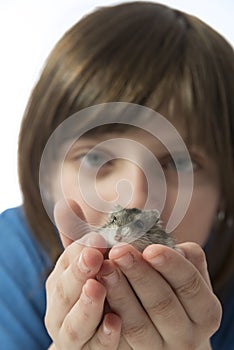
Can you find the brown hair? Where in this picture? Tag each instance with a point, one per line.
(151, 55)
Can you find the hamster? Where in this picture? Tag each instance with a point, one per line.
(138, 227)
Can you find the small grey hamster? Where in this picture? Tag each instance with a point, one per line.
(138, 227)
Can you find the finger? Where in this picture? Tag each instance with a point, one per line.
(123, 344)
(195, 254)
(70, 221)
(81, 322)
(137, 327)
(72, 252)
(201, 305)
(108, 334)
(72, 226)
(65, 291)
(154, 292)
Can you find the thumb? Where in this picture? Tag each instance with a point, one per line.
(70, 221)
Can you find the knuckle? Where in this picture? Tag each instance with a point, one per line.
(61, 294)
(65, 260)
(137, 331)
(117, 299)
(199, 254)
(49, 283)
(191, 287)
(140, 279)
(193, 246)
(191, 339)
(47, 322)
(214, 315)
(85, 317)
(76, 273)
(70, 332)
(163, 307)
(102, 342)
(50, 324)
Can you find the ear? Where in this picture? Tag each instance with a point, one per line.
(70, 221)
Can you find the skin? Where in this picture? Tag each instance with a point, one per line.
(167, 293)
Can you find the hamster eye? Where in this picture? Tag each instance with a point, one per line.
(114, 219)
(139, 224)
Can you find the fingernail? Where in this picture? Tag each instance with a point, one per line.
(125, 261)
(180, 251)
(158, 260)
(106, 329)
(92, 239)
(84, 297)
(86, 239)
(82, 264)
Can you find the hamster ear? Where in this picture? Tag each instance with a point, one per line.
(117, 207)
(70, 221)
(153, 212)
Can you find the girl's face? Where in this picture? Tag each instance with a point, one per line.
(117, 171)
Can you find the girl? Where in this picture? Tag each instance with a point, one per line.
(169, 62)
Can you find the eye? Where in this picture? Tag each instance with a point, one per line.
(94, 159)
(185, 164)
(139, 224)
(180, 164)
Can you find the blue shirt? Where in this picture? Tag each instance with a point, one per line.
(22, 278)
(23, 264)
(223, 339)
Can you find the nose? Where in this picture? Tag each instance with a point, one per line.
(143, 188)
(136, 178)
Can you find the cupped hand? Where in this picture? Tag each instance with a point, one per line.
(75, 299)
(164, 298)
(160, 299)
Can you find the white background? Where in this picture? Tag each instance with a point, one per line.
(28, 31)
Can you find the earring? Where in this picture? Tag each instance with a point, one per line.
(220, 215)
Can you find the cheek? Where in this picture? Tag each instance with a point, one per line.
(85, 197)
(198, 219)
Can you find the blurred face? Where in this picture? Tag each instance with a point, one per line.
(102, 170)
